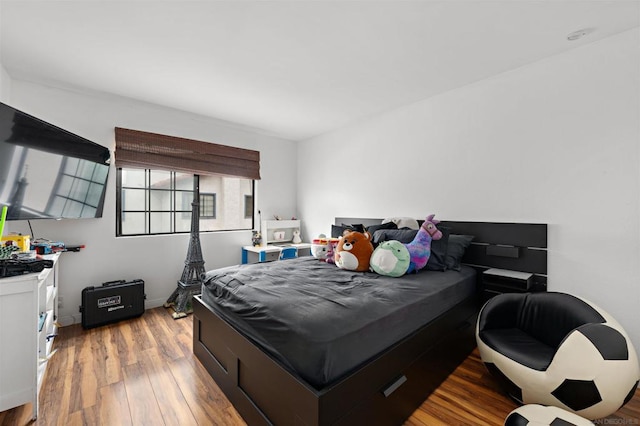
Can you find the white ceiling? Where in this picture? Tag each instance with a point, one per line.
(294, 69)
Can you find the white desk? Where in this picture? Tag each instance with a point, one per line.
(251, 254)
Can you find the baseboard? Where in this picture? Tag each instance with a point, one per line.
(77, 318)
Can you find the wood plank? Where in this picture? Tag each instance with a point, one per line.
(143, 404)
(207, 402)
(173, 406)
(113, 406)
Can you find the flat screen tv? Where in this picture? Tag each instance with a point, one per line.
(47, 172)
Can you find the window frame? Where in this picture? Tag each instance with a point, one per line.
(174, 211)
(213, 214)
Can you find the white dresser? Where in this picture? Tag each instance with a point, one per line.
(28, 308)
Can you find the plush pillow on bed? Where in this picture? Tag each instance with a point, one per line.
(337, 231)
(403, 222)
(373, 228)
(439, 248)
(403, 235)
(455, 250)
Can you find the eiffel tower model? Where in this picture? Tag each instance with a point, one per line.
(190, 283)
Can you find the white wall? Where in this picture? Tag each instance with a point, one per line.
(555, 142)
(5, 85)
(158, 260)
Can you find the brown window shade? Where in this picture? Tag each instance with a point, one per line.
(153, 151)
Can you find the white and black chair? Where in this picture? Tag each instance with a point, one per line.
(557, 349)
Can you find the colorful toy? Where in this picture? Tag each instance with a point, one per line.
(331, 248)
(322, 246)
(3, 217)
(354, 251)
(420, 247)
(391, 258)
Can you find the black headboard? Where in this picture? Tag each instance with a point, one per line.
(513, 246)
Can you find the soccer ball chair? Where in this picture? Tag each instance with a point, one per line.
(557, 349)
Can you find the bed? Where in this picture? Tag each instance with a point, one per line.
(302, 342)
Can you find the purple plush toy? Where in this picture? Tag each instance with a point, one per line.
(420, 247)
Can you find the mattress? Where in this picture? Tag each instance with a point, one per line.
(322, 322)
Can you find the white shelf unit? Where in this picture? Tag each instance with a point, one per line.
(271, 226)
(25, 347)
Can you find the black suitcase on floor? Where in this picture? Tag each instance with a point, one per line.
(112, 302)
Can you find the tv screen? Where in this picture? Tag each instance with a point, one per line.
(47, 172)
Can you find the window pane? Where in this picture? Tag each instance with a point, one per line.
(133, 199)
(248, 206)
(160, 179)
(134, 223)
(184, 181)
(208, 205)
(183, 222)
(160, 223)
(133, 178)
(184, 200)
(160, 200)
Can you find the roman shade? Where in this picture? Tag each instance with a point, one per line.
(146, 150)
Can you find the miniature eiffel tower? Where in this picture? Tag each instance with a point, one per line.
(190, 283)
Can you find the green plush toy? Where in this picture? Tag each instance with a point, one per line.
(390, 258)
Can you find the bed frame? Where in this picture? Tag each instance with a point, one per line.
(385, 390)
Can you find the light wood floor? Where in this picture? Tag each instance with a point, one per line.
(143, 372)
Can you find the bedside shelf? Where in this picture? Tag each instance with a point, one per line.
(497, 281)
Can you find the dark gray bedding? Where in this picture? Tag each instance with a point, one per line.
(321, 321)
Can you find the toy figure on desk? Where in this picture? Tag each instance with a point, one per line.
(296, 236)
(256, 239)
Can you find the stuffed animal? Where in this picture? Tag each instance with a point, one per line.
(354, 251)
(296, 237)
(319, 249)
(331, 248)
(420, 247)
(390, 258)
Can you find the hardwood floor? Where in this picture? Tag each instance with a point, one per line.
(143, 372)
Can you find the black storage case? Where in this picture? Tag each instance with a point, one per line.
(112, 302)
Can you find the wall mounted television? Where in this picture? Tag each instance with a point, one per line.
(47, 172)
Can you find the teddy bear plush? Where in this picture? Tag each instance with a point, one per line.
(354, 251)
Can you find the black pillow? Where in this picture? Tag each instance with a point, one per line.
(402, 235)
(439, 248)
(338, 230)
(455, 250)
(373, 228)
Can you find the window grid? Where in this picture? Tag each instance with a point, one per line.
(180, 203)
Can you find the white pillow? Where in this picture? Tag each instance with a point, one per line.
(403, 222)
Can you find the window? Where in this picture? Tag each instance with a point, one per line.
(208, 206)
(248, 206)
(157, 174)
(159, 202)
